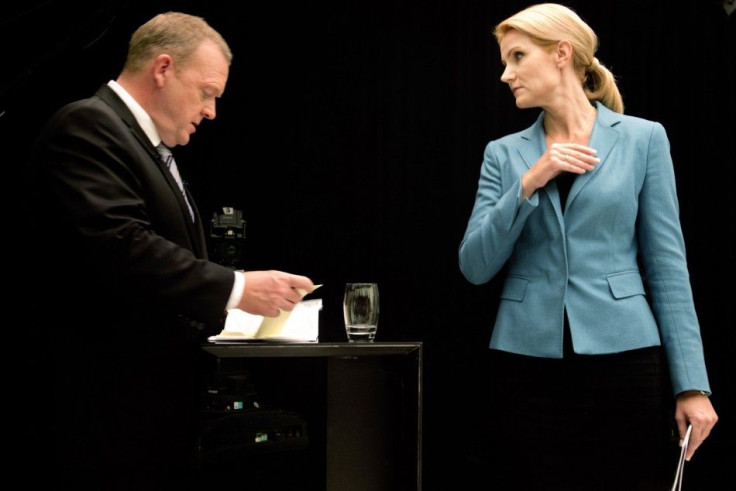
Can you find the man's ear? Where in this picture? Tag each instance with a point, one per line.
(163, 66)
(563, 53)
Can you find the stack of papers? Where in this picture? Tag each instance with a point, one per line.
(300, 325)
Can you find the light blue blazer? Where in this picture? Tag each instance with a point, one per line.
(614, 258)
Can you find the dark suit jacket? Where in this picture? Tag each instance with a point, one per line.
(123, 294)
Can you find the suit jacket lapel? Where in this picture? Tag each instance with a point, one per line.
(195, 230)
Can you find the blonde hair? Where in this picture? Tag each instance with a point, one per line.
(173, 33)
(549, 23)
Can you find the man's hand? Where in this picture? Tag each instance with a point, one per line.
(268, 292)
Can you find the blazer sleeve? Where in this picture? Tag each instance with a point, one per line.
(662, 249)
(496, 221)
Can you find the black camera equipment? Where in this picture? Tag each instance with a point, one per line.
(227, 237)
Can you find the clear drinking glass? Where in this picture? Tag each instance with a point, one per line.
(360, 308)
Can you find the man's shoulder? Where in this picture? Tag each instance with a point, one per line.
(99, 109)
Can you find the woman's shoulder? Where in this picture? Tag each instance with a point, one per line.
(612, 118)
(532, 132)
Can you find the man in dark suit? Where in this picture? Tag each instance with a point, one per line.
(125, 293)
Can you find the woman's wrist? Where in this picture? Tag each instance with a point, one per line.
(694, 393)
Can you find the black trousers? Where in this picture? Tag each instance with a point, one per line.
(592, 423)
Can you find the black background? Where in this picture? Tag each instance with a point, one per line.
(351, 136)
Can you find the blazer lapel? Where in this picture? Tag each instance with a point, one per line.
(534, 146)
(603, 139)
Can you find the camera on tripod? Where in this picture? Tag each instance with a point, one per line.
(227, 237)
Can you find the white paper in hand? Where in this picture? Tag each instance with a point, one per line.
(677, 485)
(300, 325)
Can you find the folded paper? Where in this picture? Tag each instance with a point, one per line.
(300, 325)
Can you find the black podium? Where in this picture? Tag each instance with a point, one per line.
(317, 416)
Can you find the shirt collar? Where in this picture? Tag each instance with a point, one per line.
(140, 114)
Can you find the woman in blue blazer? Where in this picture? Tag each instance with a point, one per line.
(580, 214)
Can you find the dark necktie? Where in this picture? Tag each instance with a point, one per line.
(168, 159)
